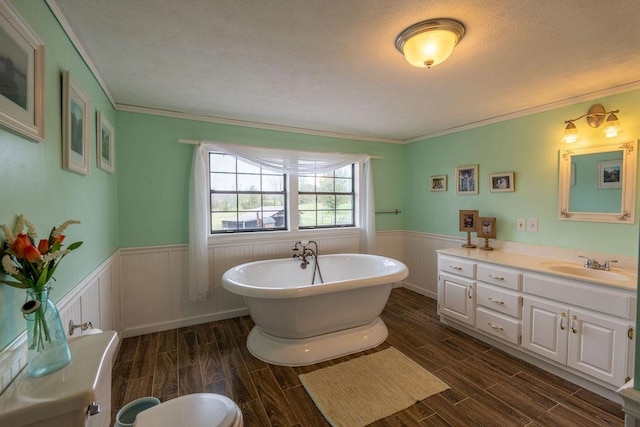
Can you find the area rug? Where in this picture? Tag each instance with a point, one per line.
(363, 390)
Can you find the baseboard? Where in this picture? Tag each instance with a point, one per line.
(419, 290)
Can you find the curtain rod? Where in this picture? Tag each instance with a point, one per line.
(196, 142)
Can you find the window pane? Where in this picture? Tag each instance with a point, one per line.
(326, 202)
(325, 184)
(271, 200)
(223, 182)
(224, 221)
(326, 218)
(308, 219)
(332, 197)
(249, 201)
(344, 185)
(222, 163)
(306, 183)
(344, 202)
(344, 217)
(248, 182)
(244, 167)
(224, 202)
(306, 202)
(272, 183)
(345, 172)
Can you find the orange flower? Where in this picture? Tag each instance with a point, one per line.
(32, 254)
(19, 245)
(60, 238)
(43, 246)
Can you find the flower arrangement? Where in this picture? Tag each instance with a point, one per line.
(32, 266)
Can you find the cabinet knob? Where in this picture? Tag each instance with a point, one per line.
(563, 317)
(573, 324)
(470, 292)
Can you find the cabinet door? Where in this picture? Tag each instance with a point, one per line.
(456, 298)
(544, 328)
(598, 346)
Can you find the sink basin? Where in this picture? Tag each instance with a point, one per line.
(577, 270)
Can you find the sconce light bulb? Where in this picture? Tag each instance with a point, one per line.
(570, 133)
(611, 126)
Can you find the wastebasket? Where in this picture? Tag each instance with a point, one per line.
(127, 415)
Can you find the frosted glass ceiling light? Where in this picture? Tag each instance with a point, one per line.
(429, 43)
(595, 118)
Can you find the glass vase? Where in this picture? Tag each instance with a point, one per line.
(48, 349)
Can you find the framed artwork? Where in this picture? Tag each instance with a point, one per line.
(467, 179)
(501, 182)
(21, 75)
(468, 220)
(487, 227)
(610, 174)
(75, 126)
(438, 183)
(105, 143)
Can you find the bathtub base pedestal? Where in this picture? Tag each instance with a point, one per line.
(307, 351)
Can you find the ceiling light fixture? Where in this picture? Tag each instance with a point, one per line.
(595, 117)
(428, 43)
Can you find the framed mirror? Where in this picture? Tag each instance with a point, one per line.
(598, 184)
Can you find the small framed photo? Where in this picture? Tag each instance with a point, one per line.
(501, 182)
(467, 179)
(487, 227)
(439, 183)
(105, 143)
(468, 220)
(610, 174)
(75, 126)
(21, 75)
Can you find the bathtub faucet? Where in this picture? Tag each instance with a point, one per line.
(302, 251)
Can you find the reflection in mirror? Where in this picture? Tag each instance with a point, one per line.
(598, 183)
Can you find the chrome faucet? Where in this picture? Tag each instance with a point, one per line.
(595, 265)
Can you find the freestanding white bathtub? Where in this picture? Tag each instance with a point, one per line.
(300, 323)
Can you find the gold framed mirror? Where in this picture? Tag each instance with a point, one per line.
(598, 184)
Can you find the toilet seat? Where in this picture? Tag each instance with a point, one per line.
(193, 410)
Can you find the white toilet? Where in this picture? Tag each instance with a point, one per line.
(79, 395)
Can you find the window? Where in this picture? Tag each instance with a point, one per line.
(327, 200)
(247, 197)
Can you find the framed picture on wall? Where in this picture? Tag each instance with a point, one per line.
(610, 174)
(21, 75)
(105, 143)
(501, 182)
(438, 183)
(75, 126)
(467, 179)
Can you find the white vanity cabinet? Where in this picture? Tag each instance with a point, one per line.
(456, 289)
(582, 326)
(584, 329)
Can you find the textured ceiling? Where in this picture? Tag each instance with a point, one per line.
(331, 65)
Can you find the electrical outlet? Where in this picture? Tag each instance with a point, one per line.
(532, 225)
(522, 226)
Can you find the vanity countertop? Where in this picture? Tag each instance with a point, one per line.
(616, 277)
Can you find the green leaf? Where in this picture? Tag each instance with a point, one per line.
(15, 284)
(75, 245)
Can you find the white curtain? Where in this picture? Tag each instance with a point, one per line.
(277, 160)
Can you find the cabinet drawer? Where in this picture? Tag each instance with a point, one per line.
(498, 299)
(498, 325)
(459, 266)
(500, 276)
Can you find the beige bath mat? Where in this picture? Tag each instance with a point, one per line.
(363, 390)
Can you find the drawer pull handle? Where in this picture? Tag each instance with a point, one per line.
(491, 276)
(496, 301)
(470, 292)
(573, 324)
(455, 267)
(496, 327)
(563, 317)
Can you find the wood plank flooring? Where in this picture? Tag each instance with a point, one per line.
(488, 387)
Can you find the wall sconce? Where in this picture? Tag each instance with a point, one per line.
(428, 43)
(595, 117)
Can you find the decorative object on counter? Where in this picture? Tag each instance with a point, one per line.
(438, 183)
(33, 268)
(22, 79)
(468, 224)
(487, 229)
(501, 182)
(467, 179)
(75, 126)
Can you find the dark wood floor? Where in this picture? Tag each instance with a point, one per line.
(488, 387)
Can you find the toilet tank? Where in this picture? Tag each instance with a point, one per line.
(62, 398)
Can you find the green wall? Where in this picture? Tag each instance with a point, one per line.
(154, 172)
(34, 183)
(528, 146)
